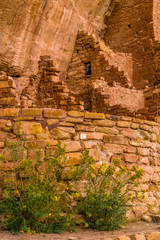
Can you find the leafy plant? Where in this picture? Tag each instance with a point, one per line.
(108, 189)
(34, 198)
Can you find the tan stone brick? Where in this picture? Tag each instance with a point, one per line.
(137, 120)
(94, 115)
(129, 149)
(51, 142)
(133, 134)
(138, 237)
(143, 151)
(123, 238)
(36, 144)
(59, 134)
(146, 128)
(72, 146)
(118, 139)
(29, 128)
(104, 123)
(9, 112)
(74, 120)
(125, 118)
(106, 130)
(91, 136)
(123, 124)
(113, 148)
(134, 125)
(75, 114)
(90, 144)
(132, 158)
(67, 129)
(73, 158)
(23, 119)
(7, 84)
(52, 121)
(42, 136)
(66, 124)
(32, 112)
(54, 113)
(94, 153)
(85, 128)
(154, 236)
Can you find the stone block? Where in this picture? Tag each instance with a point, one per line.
(123, 124)
(16, 119)
(29, 128)
(123, 238)
(146, 128)
(94, 153)
(132, 134)
(129, 149)
(72, 146)
(118, 139)
(132, 158)
(54, 113)
(75, 114)
(66, 124)
(59, 134)
(52, 121)
(85, 128)
(104, 123)
(73, 158)
(9, 112)
(134, 125)
(143, 151)
(32, 112)
(113, 148)
(5, 125)
(154, 236)
(91, 136)
(94, 115)
(7, 84)
(106, 130)
(90, 144)
(138, 237)
(74, 120)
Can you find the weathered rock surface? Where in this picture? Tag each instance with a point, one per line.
(30, 28)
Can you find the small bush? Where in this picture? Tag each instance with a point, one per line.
(35, 198)
(107, 193)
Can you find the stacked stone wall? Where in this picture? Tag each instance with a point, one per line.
(130, 30)
(134, 141)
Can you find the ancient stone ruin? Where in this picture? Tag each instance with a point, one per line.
(97, 85)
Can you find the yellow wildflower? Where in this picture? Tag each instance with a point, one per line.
(89, 215)
(86, 225)
(21, 231)
(50, 214)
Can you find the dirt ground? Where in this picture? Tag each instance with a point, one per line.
(130, 229)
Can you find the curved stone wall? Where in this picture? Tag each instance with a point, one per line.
(134, 141)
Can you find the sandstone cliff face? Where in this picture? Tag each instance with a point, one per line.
(30, 28)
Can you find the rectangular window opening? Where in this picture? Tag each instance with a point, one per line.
(88, 69)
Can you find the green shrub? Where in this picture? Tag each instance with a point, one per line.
(107, 193)
(35, 197)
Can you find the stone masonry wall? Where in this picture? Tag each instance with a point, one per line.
(130, 30)
(134, 141)
(107, 89)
